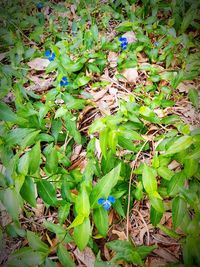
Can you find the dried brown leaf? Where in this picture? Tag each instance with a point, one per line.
(38, 63)
(86, 256)
(131, 75)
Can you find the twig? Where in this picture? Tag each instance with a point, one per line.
(145, 225)
(129, 189)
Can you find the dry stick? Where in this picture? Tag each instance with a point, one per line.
(129, 189)
(145, 225)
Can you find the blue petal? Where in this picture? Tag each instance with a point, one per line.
(50, 58)
(122, 39)
(101, 200)
(106, 205)
(111, 199)
(65, 83)
(61, 83)
(47, 53)
(64, 78)
(53, 55)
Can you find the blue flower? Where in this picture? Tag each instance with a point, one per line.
(124, 42)
(64, 81)
(156, 43)
(39, 5)
(51, 56)
(106, 203)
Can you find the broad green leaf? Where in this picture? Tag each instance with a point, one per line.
(23, 165)
(60, 232)
(155, 216)
(96, 126)
(125, 251)
(25, 257)
(83, 202)
(139, 191)
(190, 167)
(34, 158)
(188, 18)
(56, 128)
(94, 31)
(126, 143)
(104, 186)
(49, 263)
(82, 234)
(176, 182)
(179, 209)
(6, 113)
(30, 139)
(60, 112)
(100, 217)
(11, 201)
(36, 244)
(103, 139)
(73, 67)
(130, 134)
(124, 26)
(194, 97)
(144, 251)
(63, 212)
(77, 221)
(47, 192)
(82, 81)
(17, 135)
(165, 173)
(156, 201)
(179, 145)
(64, 256)
(71, 127)
(149, 179)
(113, 138)
(28, 191)
(52, 161)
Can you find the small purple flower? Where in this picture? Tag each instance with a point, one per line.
(64, 81)
(51, 56)
(106, 203)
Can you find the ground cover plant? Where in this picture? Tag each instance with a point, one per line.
(99, 137)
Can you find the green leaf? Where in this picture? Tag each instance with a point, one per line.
(64, 256)
(83, 203)
(30, 139)
(34, 158)
(176, 182)
(6, 114)
(179, 145)
(165, 173)
(103, 139)
(81, 81)
(71, 127)
(124, 26)
(179, 209)
(100, 217)
(11, 201)
(144, 251)
(60, 232)
(190, 167)
(155, 216)
(113, 138)
(28, 191)
(194, 97)
(94, 31)
(25, 257)
(63, 212)
(82, 234)
(52, 161)
(47, 192)
(104, 186)
(126, 143)
(23, 165)
(49, 263)
(125, 251)
(156, 201)
(36, 244)
(149, 179)
(60, 112)
(77, 221)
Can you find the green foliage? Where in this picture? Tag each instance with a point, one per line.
(41, 128)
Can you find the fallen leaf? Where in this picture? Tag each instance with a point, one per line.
(76, 152)
(165, 255)
(86, 256)
(38, 63)
(130, 74)
(112, 59)
(121, 235)
(131, 38)
(98, 95)
(2, 55)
